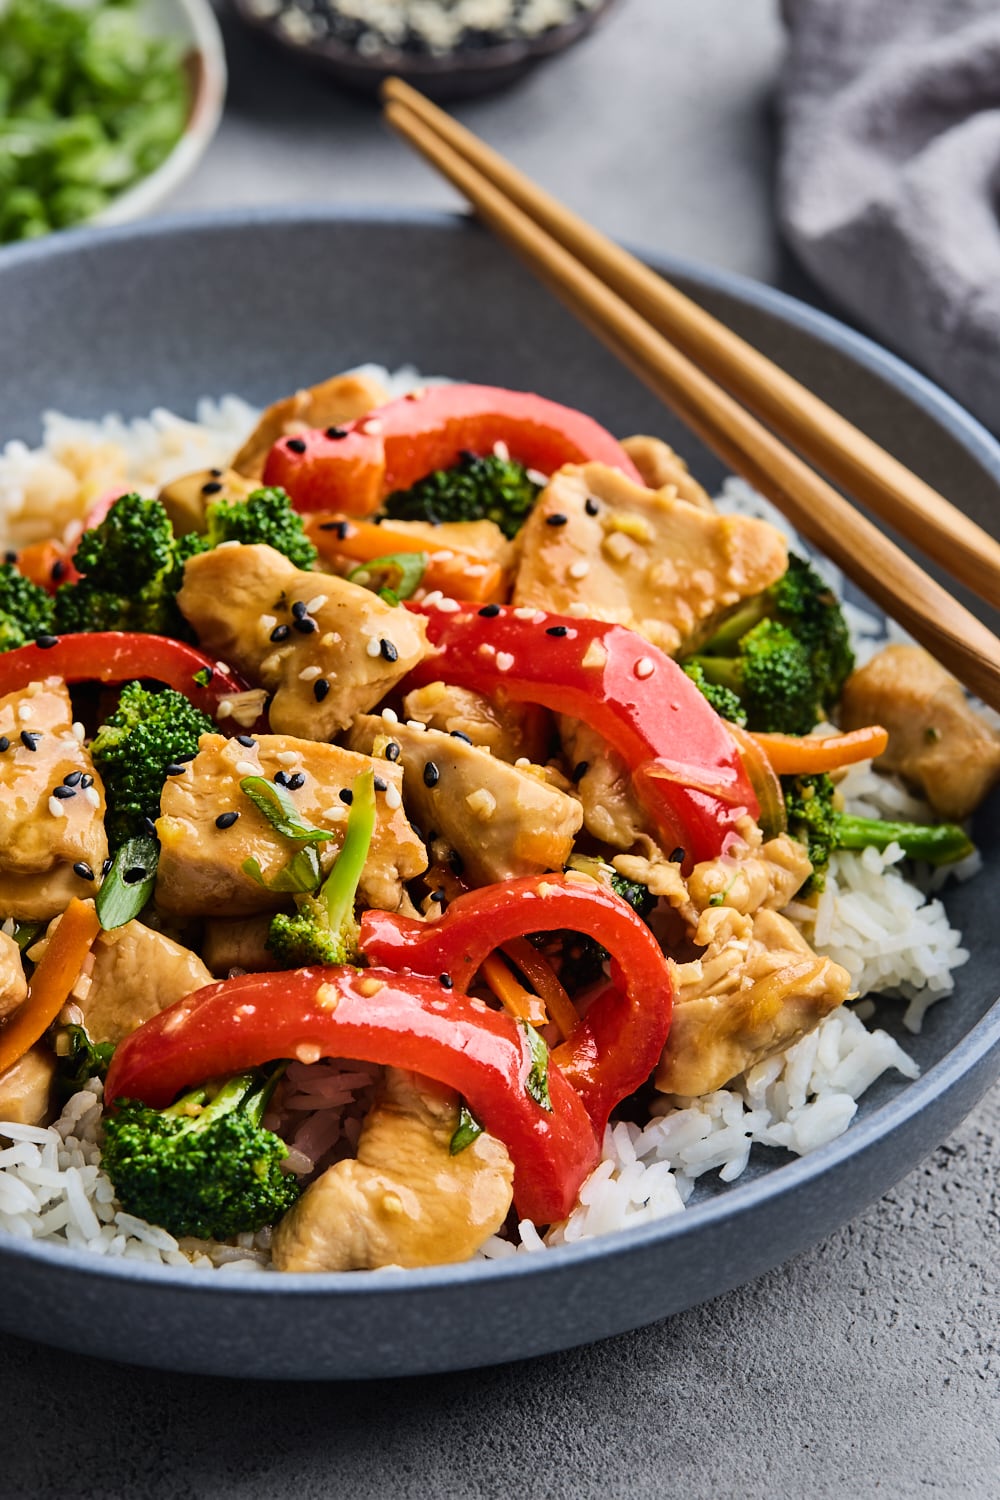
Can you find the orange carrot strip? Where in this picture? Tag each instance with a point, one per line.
(51, 984)
(536, 968)
(447, 569)
(808, 755)
(511, 994)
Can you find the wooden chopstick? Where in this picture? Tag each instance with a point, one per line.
(890, 490)
(813, 506)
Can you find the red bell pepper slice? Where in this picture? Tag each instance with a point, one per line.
(618, 1043)
(379, 1017)
(122, 656)
(354, 468)
(686, 767)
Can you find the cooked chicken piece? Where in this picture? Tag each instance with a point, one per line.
(663, 469)
(612, 812)
(342, 398)
(756, 989)
(661, 566)
(13, 985)
(936, 739)
(324, 647)
(26, 1088)
(135, 974)
(751, 875)
(502, 820)
(186, 499)
(200, 871)
(511, 731)
(405, 1200)
(237, 943)
(42, 835)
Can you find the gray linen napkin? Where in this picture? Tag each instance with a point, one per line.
(889, 185)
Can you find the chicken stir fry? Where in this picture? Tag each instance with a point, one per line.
(418, 777)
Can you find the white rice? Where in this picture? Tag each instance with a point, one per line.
(879, 920)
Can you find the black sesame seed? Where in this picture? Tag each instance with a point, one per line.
(392, 751)
(134, 874)
(490, 611)
(4, 743)
(106, 866)
(211, 488)
(438, 895)
(336, 432)
(591, 506)
(73, 779)
(388, 650)
(579, 771)
(86, 780)
(304, 627)
(174, 769)
(556, 630)
(295, 445)
(215, 473)
(58, 572)
(62, 792)
(340, 527)
(431, 774)
(320, 689)
(299, 610)
(149, 827)
(280, 633)
(456, 862)
(226, 819)
(246, 740)
(446, 982)
(556, 519)
(10, 557)
(346, 795)
(29, 741)
(82, 869)
(678, 857)
(457, 734)
(380, 785)
(281, 778)
(294, 782)
(46, 642)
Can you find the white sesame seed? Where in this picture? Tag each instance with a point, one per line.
(335, 813)
(537, 477)
(501, 451)
(224, 709)
(308, 674)
(92, 795)
(433, 597)
(390, 716)
(222, 545)
(578, 609)
(448, 606)
(580, 568)
(504, 661)
(25, 712)
(645, 667)
(223, 666)
(247, 768)
(373, 648)
(79, 731)
(486, 649)
(524, 612)
(521, 762)
(315, 603)
(538, 617)
(56, 808)
(308, 1052)
(287, 757)
(445, 555)
(475, 570)
(393, 800)
(372, 427)
(267, 623)
(416, 724)
(362, 579)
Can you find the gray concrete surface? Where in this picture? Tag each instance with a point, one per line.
(869, 1366)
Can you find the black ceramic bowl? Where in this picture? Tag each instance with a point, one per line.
(160, 314)
(464, 73)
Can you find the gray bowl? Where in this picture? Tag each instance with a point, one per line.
(261, 303)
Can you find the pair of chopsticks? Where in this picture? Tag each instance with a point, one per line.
(687, 357)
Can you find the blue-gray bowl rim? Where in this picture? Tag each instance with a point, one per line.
(982, 1038)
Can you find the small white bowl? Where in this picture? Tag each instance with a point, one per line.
(193, 23)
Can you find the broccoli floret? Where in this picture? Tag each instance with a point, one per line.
(132, 568)
(803, 602)
(638, 896)
(725, 702)
(583, 958)
(772, 677)
(205, 1166)
(148, 731)
(475, 489)
(815, 819)
(265, 516)
(323, 929)
(26, 611)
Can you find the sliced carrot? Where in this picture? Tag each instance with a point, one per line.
(536, 968)
(512, 995)
(461, 574)
(810, 754)
(48, 564)
(51, 984)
